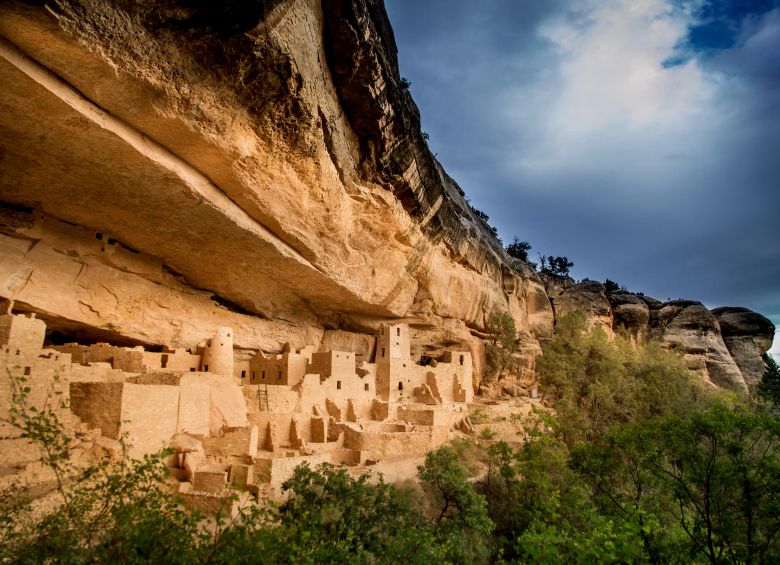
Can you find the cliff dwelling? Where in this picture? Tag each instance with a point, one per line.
(244, 423)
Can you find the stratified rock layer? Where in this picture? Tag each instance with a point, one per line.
(172, 167)
(265, 157)
(748, 336)
(725, 345)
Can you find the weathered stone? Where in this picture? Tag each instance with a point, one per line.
(631, 312)
(281, 143)
(210, 479)
(689, 326)
(748, 336)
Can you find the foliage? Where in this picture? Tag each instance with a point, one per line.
(636, 464)
(106, 512)
(501, 345)
(558, 266)
(706, 484)
(611, 286)
(597, 383)
(459, 513)
(519, 249)
(480, 214)
(335, 518)
(769, 387)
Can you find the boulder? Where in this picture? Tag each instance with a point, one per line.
(748, 336)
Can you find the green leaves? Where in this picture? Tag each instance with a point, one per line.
(597, 383)
(502, 344)
(333, 517)
(459, 513)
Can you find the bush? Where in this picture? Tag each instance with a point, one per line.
(596, 383)
(769, 387)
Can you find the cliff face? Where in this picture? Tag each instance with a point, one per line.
(176, 166)
(725, 345)
(260, 164)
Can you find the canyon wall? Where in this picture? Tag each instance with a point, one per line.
(725, 346)
(172, 167)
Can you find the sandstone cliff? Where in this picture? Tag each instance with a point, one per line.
(725, 345)
(172, 167)
(175, 166)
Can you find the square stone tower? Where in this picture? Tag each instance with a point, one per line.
(393, 357)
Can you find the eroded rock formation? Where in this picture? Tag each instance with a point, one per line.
(263, 159)
(725, 345)
(173, 167)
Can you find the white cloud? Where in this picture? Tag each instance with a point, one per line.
(611, 99)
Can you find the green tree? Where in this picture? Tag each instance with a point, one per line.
(706, 485)
(769, 387)
(458, 512)
(611, 286)
(332, 517)
(502, 344)
(559, 266)
(596, 382)
(519, 249)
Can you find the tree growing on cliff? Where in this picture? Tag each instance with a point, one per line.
(558, 266)
(501, 346)
(519, 249)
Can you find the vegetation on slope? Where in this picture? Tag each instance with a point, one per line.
(639, 463)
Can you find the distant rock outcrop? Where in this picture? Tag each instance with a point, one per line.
(748, 336)
(725, 345)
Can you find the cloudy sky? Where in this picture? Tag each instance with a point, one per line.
(640, 138)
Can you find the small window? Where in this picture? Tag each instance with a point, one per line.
(27, 371)
(192, 369)
(111, 241)
(243, 374)
(280, 375)
(383, 352)
(164, 361)
(461, 359)
(206, 368)
(404, 364)
(99, 236)
(102, 249)
(365, 386)
(400, 386)
(253, 374)
(18, 352)
(398, 331)
(338, 385)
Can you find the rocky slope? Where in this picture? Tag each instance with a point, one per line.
(175, 166)
(725, 345)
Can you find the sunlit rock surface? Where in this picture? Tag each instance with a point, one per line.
(169, 168)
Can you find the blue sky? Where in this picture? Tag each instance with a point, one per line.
(641, 138)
